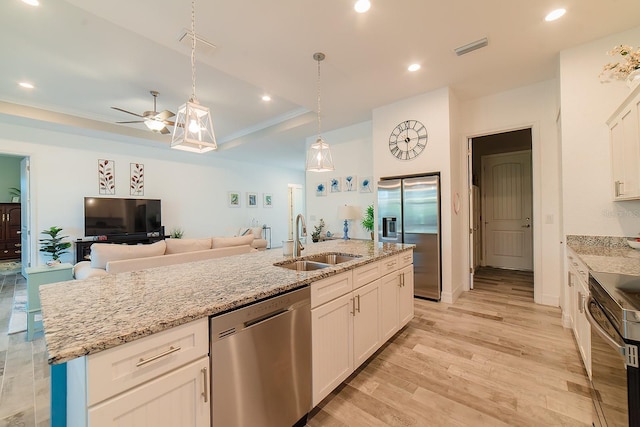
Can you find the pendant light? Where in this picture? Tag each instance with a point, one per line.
(319, 155)
(193, 130)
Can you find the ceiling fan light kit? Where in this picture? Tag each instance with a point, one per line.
(156, 122)
(319, 154)
(193, 130)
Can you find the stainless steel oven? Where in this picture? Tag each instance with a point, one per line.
(613, 310)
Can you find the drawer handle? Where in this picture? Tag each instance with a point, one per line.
(18, 252)
(143, 362)
(391, 264)
(205, 392)
(17, 245)
(575, 264)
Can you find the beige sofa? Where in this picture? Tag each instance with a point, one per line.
(259, 242)
(109, 258)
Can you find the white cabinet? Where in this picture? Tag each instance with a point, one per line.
(344, 333)
(396, 296)
(578, 279)
(159, 380)
(353, 314)
(173, 399)
(624, 135)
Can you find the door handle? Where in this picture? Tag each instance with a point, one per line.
(205, 392)
(526, 226)
(358, 303)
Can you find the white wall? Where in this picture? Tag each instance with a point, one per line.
(193, 188)
(534, 106)
(352, 155)
(586, 162)
(433, 110)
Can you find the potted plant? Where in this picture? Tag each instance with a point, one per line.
(53, 245)
(317, 230)
(177, 233)
(368, 220)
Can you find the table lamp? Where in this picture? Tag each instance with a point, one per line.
(348, 213)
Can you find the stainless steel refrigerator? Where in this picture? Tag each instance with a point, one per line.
(409, 212)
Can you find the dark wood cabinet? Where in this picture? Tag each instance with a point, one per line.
(10, 242)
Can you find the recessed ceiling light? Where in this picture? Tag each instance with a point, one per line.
(266, 98)
(26, 85)
(414, 67)
(31, 2)
(362, 6)
(556, 14)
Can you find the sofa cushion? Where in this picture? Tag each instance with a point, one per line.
(178, 246)
(257, 232)
(83, 270)
(164, 260)
(225, 242)
(102, 253)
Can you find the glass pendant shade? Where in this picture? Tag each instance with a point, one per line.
(319, 157)
(193, 129)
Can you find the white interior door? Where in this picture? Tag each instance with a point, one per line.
(507, 210)
(25, 213)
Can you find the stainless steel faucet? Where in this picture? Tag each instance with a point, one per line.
(297, 245)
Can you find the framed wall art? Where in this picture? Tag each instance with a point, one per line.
(267, 200)
(252, 200)
(366, 186)
(106, 176)
(233, 199)
(350, 183)
(321, 189)
(136, 182)
(335, 185)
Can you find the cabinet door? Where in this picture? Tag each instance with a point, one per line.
(582, 328)
(405, 296)
(366, 322)
(331, 345)
(389, 305)
(625, 149)
(178, 398)
(13, 222)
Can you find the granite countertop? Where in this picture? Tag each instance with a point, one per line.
(606, 254)
(83, 317)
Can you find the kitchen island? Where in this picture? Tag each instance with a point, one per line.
(88, 317)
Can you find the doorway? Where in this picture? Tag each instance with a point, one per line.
(14, 195)
(501, 201)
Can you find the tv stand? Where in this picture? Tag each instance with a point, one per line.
(83, 246)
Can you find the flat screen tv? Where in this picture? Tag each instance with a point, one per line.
(108, 216)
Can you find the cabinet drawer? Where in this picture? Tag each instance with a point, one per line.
(366, 274)
(331, 288)
(405, 258)
(120, 368)
(388, 265)
(578, 267)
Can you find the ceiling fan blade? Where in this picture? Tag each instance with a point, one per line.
(164, 130)
(169, 123)
(135, 121)
(163, 115)
(125, 111)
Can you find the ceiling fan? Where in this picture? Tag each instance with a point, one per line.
(156, 122)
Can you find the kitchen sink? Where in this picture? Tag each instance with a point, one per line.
(303, 265)
(316, 262)
(331, 258)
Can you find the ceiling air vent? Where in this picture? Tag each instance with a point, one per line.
(471, 46)
(202, 46)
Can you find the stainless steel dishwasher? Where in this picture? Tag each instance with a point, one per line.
(261, 363)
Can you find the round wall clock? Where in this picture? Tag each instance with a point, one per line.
(408, 140)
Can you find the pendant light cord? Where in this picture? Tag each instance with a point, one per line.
(319, 120)
(193, 49)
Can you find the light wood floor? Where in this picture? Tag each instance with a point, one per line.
(493, 358)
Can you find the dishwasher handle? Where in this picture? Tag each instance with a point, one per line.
(264, 318)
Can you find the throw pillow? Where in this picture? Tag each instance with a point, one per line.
(178, 246)
(257, 232)
(225, 242)
(102, 253)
